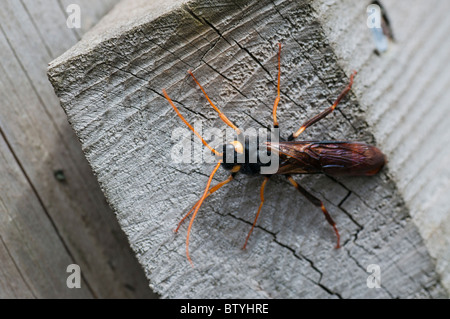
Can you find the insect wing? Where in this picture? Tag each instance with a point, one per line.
(331, 158)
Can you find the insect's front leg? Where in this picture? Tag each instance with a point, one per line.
(210, 192)
(263, 186)
(316, 202)
(320, 116)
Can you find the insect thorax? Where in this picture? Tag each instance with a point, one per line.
(246, 155)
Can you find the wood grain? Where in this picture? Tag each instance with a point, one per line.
(30, 268)
(110, 87)
(49, 224)
(404, 94)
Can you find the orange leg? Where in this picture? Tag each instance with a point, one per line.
(263, 186)
(202, 199)
(320, 116)
(317, 202)
(277, 100)
(211, 191)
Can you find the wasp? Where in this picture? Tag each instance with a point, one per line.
(333, 158)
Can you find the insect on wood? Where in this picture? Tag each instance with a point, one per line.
(334, 158)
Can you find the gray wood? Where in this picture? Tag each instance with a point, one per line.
(82, 230)
(54, 34)
(404, 94)
(29, 266)
(110, 87)
(11, 288)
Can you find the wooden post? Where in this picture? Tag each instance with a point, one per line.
(110, 86)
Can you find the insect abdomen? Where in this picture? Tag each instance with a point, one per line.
(351, 159)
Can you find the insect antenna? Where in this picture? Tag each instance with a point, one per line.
(189, 125)
(221, 115)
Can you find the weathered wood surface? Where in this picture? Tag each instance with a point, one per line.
(405, 95)
(45, 224)
(110, 87)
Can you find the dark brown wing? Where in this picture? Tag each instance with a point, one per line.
(331, 158)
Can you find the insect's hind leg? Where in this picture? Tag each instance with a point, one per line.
(321, 115)
(316, 202)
